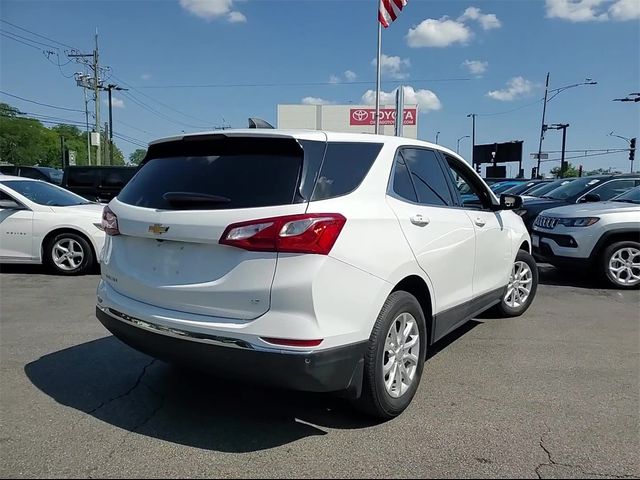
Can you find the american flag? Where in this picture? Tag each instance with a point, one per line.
(389, 10)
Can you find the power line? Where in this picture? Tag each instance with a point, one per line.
(295, 84)
(40, 103)
(34, 33)
(143, 105)
(510, 111)
(20, 41)
(28, 39)
(158, 101)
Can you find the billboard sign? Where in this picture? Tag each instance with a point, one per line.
(366, 116)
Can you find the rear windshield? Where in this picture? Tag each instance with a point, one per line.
(217, 174)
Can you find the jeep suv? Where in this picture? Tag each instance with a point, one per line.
(309, 260)
(602, 235)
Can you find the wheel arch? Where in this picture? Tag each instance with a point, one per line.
(58, 230)
(613, 236)
(417, 286)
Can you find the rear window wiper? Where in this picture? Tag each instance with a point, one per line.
(176, 198)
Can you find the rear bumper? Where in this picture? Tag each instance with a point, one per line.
(332, 370)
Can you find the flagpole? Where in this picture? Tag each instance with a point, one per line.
(378, 74)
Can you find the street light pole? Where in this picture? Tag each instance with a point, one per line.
(473, 138)
(458, 147)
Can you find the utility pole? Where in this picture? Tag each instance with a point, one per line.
(109, 88)
(62, 162)
(544, 111)
(96, 94)
(563, 127)
(86, 118)
(473, 138)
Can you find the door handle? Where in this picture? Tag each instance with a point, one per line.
(480, 222)
(419, 220)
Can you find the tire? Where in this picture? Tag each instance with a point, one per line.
(613, 257)
(377, 399)
(510, 305)
(57, 247)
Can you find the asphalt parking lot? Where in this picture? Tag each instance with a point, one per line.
(554, 393)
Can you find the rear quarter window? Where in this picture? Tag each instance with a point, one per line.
(344, 167)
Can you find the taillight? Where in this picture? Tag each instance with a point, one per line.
(110, 222)
(305, 233)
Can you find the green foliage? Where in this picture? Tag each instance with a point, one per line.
(602, 171)
(570, 171)
(25, 141)
(137, 156)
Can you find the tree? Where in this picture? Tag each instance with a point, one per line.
(137, 156)
(602, 171)
(569, 171)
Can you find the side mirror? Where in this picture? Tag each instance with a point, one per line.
(510, 202)
(11, 205)
(591, 197)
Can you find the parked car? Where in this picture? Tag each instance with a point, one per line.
(523, 188)
(501, 187)
(44, 223)
(97, 183)
(584, 189)
(542, 189)
(602, 235)
(309, 260)
(47, 174)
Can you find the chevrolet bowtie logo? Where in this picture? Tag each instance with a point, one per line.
(158, 229)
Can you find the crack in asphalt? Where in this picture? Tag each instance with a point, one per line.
(128, 392)
(553, 463)
(161, 401)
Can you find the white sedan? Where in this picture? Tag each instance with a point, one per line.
(43, 223)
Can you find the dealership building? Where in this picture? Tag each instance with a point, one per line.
(347, 118)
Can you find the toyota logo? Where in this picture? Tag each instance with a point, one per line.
(360, 115)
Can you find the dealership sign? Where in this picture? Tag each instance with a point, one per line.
(366, 116)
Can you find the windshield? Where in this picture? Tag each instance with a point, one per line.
(576, 187)
(503, 186)
(55, 175)
(44, 193)
(630, 196)
(540, 190)
(520, 189)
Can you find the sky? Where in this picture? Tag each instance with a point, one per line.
(192, 65)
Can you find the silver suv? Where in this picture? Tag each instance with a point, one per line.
(601, 235)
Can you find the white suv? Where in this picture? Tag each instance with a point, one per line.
(309, 260)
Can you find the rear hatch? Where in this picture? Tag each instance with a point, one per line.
(172, 214)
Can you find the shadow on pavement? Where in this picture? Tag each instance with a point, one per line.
(122, 387)
(550, 275)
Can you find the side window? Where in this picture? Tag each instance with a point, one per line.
(611, 189)
(428, 178)
(4, 196)
(472, 192)
(402, 185)
(31, 173)
(344, 167)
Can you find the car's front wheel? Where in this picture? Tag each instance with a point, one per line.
(395, 357)
(621, 264)
(522, 286)
(68, 254)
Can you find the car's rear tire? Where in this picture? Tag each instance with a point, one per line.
(620, 264)
(68, 253)
(522, 287)
(395, 357)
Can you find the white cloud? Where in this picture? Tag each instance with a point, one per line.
(393, 67)
(115, 102)
(425, 99)
(316, 101)
(438, 33)
(236, 17)
(516, 88)
(476, 67)
(350, 76)
(593, 10)
(487, 21)
(334, 79)
(211, 9)
(625, 10)
(145, 76)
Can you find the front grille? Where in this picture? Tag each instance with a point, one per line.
(546, 222)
